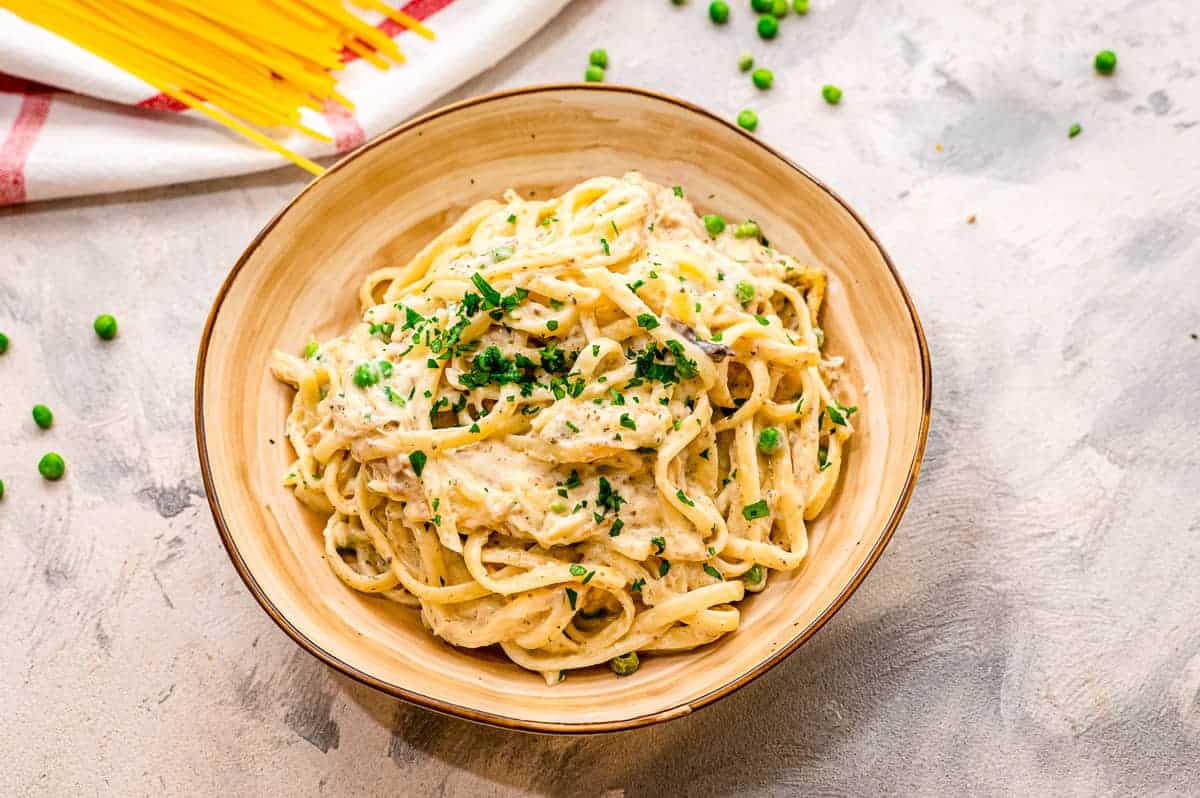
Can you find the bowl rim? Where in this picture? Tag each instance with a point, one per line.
(505, 721)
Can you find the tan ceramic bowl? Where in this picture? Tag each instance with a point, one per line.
(379, 206)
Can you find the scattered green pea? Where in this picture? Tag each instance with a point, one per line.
(3, 343)
(744, 292)
(763, 78)
(105, 326)
(800, 6)
(1075, 130)
(762, 6)
(714, 224)
(745, 62)
(1106, 62)
(51, 466)
(718, 12)
(366, 375)
(598, 58)
(747, 120)
(768, 440)
(831, 93)
(747, 229)
(768, 27)
(593, 74)
(42, 416)
(779, 8)
(754, 575)
(625, 664)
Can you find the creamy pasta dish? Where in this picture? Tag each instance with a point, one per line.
(581, 429)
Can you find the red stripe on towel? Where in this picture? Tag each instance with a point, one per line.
(347, 133)
(14, 152)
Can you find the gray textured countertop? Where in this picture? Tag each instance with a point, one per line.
(1032, 629)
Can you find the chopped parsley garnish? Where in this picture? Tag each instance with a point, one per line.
(713, 572)
(552, 325)
(577, 569)
(512, 218)
(647, 321)
(587, 578)
(616, 230)
(608, 499)
(618, 399)
(311, 350)
(556, 304)
(763, 320)
(491, 296)
(664, 567)
(823, 458)
(501, 253)
(384, 330)
(604, 246)
(411, 317)
(678, 191)
(595, 350)
(636, 585)
(627, 422)
(617, 526)
(431, 363)
(659, 543)
(418, 460)
(838, 412)
(757, 510)
(474, 429)
(572, 596)
(573, 480)
(571, 427)
(394, 397)
(635, 285)
(385, 368)
(704, 454)
(744, 292)
(754, 575)
(683, 497)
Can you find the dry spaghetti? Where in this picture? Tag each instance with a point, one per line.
(579, 429)
(251, 65)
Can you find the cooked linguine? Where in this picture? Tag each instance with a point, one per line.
(579, 429)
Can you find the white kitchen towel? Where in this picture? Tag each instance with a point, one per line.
(71, 123)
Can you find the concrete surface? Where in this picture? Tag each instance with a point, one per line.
(1031, 630)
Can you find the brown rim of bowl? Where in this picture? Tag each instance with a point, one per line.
(503, 721)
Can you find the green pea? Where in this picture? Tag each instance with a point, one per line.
(105, 326)
(311, 349)
(762, 78)
(598, 58)
(745, 62)
(747, 229)
(800, 6)
(1075, 130)
(3, 343)
(768, 440)
(762, 6)
(744, 291)
(366, 375)
(51, 466)
(748, 120)
(718, 12)
(779, 8)
(625, 664)
(593, 74)
(768, 27)
(714, 224)
(754, 575)
(1106, 62)
(831, 93)
(42, 416)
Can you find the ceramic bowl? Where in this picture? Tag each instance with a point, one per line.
(300, 277)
